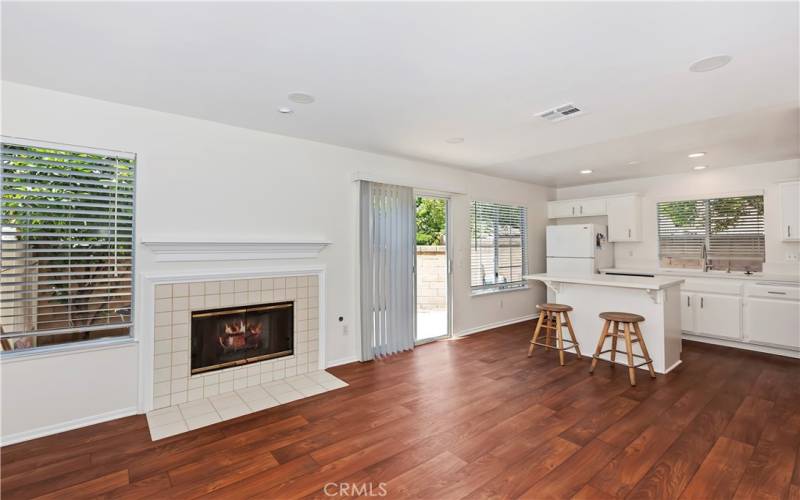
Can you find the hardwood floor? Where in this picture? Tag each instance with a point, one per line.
(469, 418)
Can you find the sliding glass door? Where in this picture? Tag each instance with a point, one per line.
(432, 269)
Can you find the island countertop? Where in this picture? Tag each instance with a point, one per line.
(638, 282)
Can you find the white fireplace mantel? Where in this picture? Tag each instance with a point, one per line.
(166, 250)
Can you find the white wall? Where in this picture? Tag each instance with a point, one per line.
(760, 178)
(198, 178)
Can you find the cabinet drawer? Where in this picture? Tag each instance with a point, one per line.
(726, 286)
(770, 291)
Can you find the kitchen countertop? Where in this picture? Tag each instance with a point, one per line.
(688, 273)
(638, 282)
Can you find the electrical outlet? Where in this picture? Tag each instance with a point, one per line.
(630, 253)
(791, 257)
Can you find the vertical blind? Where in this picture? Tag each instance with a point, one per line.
(387, 252)
(498, 243)
(67, 241)
(730, 228)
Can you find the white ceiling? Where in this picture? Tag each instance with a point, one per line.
(400, 78)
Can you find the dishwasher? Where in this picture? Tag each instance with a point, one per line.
(772, 314)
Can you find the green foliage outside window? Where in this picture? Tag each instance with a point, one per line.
(431, 221)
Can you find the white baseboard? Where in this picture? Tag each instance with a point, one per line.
(343, 361)
(47, 430)
(496, 324)
(743, 345)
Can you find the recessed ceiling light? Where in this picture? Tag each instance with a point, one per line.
(697, 155)
(285, 110)
(709, 64)
(454, 140)
(587, 171)
(301, 97)
(700, 167)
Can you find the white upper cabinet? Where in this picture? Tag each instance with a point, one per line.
(624, 214)
(591, 206)
(576, 208)
(560, 209)
(790, 211)
(624, 218)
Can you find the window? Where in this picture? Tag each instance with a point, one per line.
(67, 223)
(722, 233)
(499, 241)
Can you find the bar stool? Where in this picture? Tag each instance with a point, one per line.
(550, 320)
(630, 328)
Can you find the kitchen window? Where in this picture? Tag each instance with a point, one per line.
(714, 234)
(67, 224)
(498, 244)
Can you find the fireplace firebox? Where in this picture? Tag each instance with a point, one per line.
(235, 336)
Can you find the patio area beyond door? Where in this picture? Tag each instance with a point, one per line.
(432, 269)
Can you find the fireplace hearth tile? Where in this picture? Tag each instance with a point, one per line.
(288, 397)
(203, 420)
(262, 404)
(168, 430)
(176, 419)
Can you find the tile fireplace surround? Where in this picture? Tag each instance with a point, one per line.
(172, 382)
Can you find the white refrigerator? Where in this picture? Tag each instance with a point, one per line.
(578, 249)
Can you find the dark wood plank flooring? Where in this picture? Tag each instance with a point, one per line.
(468, 418)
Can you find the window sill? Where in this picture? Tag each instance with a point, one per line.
(492, 291)
(65, 349)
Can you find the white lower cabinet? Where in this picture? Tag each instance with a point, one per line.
(717, 315)
(772, 314)
(775, 322)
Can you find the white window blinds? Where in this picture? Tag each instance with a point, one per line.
(67, 244)
(716, 229)
(498, 241)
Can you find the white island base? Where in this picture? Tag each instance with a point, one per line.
(657, 299)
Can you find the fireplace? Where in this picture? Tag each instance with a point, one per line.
(235, 336)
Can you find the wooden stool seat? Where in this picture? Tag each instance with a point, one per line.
(554, 307)
(550, 320)
(622, 317)
(631, 334)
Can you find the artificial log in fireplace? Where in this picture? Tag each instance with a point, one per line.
(238, 335)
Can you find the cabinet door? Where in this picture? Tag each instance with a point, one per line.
(772, 321)
(718, 315)
(559, 209)
(584, 208)
(687, 311)
(790, 211)
(624, 218)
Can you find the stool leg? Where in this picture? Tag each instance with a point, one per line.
(614, 344)
(603, 335)
(536, 334)
(629, 348)
(560, 339)
(549, 331)
(572, 335)
(644, 350)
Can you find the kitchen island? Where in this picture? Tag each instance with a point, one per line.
(657, 299)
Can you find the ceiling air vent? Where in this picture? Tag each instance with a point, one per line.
(561, 113)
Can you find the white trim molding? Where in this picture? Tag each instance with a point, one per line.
(48, 430)
(496, 324)
(166, 250)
